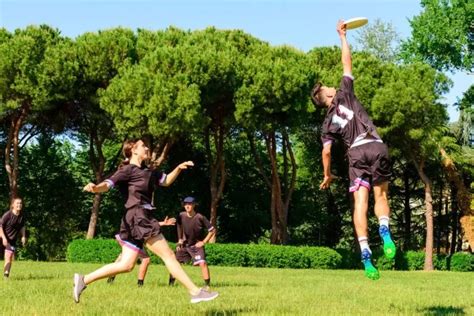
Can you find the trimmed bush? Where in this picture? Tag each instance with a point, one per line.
(272, 256)
(440, 262)
(323, 258)
(350, 259)
(93, 250)
(415, 260)
(382, 263)
(268, 256)
(231, 255)
(462, 262)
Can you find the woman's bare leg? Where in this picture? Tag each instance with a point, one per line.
(159, 246)
(125, 264)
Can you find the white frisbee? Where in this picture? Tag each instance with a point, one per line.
(355, 23)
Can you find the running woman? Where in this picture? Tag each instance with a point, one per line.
(12, 224)
(136, 182)
(369, 164)
(143, 255)
(191, 238)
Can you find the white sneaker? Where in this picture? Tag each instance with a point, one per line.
(79, 286)
(203, 296)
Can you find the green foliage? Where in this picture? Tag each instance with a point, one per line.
(350, 259)
(443, 35)
(33, 69)
(275, 87)
(111, 206)
(148, 41)
(270, 256)
(143, 100)
(231, 255)
(51, 196)
(379, 39)
(102, 54)
(408, 114)
(462, 262)
(464, 130)
(93, 250)
(246, 196)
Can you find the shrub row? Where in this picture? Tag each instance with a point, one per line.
(269, 256)
(411, 260)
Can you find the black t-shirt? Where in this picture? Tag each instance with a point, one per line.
(193, 227)
(347, 118)
(136, 184)
(12, 225)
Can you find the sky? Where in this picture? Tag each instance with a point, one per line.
(303, 24)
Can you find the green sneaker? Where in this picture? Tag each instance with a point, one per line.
(389, 248)
(370, 271)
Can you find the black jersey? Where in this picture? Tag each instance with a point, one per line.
(12, 225)
(136, 184)
(193, 227)
(347, 118)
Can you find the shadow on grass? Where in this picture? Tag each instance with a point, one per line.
(443, 310)
(32, 277)
(232, 284)
(215, 285)
(229, 312)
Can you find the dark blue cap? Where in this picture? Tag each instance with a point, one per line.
(189, 199)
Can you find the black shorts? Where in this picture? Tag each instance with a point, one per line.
(369, 164)
(187, 253)
(142, 254)
(11, 246)
(138, 225)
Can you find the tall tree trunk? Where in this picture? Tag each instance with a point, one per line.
(438, 220)
(218, 173)
(12, 159)
(406, 210)
(94, 216)
(463, 197)
(454, 222)
(97, 160)
(280, 194)
(279, 220)
(160, 151)
(428, 216)
(289, 188)
(448, 224)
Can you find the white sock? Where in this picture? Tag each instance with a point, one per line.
(383, 220)
(364, 244)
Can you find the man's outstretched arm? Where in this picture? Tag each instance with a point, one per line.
(345, 50)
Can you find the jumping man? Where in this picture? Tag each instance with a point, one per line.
(369, 164)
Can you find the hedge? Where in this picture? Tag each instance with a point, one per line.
(272, 256)
(462, 262)
(93, 250)
(268, 256)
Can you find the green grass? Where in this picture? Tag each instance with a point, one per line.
(41, 288)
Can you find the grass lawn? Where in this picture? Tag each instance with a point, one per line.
(43, 288)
